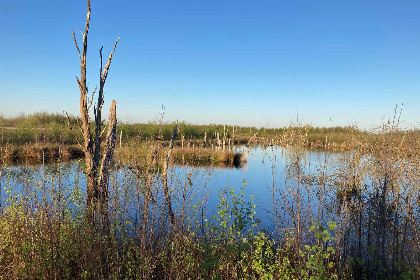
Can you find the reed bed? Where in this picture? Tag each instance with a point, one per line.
(137, 153)
(49, 128)
(207, 156)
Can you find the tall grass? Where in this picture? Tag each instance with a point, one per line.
(52, 128)
(36, 128)
(370, 191)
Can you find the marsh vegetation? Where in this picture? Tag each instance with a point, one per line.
(337, 215)
(41, 137)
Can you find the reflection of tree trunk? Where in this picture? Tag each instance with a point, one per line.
(166, 191)
(382, 223)
(404, 238)
(146, 204)
(1, 170)
(298, 201)
(369, 233)
(395, 243)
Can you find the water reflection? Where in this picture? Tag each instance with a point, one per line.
(270, 174)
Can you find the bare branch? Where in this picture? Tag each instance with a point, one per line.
(74, 134)
(68, 120)
(100, 55)
(91, 98)
(79, 123)
(108, 64)
(87, 24)
(77, 46)
(78, 82)
(103, 130)
(249, 141)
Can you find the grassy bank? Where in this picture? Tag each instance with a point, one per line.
(45, 128)
(46, 137)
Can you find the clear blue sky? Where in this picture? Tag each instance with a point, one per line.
(237, 62)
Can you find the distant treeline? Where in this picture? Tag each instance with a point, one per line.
(53, 128)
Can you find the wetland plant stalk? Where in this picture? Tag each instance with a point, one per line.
(165, 176)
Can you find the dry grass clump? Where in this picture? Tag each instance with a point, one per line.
(206, 156)
(147, 152)
(38, 153)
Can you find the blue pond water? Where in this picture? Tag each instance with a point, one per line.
(265, 169)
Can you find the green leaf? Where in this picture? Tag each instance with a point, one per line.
(332, 225)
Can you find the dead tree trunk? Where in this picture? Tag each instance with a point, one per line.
(97, 161)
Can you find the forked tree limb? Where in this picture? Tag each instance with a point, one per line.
(91, 98)
(79, 83)
(98, 113)
(77, 46)
(108, 64)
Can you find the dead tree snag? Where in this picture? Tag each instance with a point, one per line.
(97, 159)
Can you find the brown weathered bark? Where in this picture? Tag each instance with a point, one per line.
(105, 166)
(97, 166)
